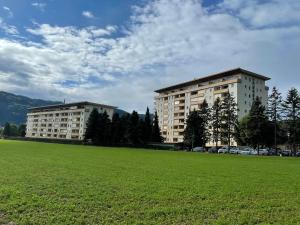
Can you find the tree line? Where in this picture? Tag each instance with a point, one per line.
(13, 130)
(128, 129)
(278, 123)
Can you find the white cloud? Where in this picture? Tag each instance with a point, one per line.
(8, 29)
(39, 5)
(167, 41)
(8, 11)
(88, 14)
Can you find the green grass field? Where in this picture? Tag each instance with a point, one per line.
(66, 184)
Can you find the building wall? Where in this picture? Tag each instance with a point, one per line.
(173, 106)
(69, 123)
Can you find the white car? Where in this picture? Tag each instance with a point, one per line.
(199, 149)
(247, 151)
(223, 150)
(263, 152)
(234, 151)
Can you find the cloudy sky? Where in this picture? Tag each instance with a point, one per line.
(119, 51)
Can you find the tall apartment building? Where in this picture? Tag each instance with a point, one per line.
(64, 121)
(174, 103)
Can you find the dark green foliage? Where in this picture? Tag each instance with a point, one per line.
(134, 129)
(117, 130)
(147, 127)
(205, 116)
(91, 127)
(257, 124)
(12, 130)
(194, 134)
(291, 107)
(216, 121)
(156, 135)
(229, 119)
(103, 129)
(274, 112)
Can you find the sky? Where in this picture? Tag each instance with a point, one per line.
(118, 52)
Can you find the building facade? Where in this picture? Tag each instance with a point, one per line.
(64, 121)
(174, 103)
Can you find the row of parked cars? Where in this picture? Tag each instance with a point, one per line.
(244, 151)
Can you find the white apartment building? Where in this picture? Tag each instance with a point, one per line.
(63, 121)
(174, 103)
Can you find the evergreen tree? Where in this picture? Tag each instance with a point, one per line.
(229, 119)
(241, 131)
(103, 129)
(6, 130)
(22, 130)
(205, 115)
(147, 129)
(274, 111)
(117, 130)
(194, 134)
(216, 121)
(134, 129)
(125, 128)
(291, 107)
(257, 124)
(156, 135)
(91, 127)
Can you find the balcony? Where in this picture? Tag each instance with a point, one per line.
(221, 91)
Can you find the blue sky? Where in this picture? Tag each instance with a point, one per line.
(118, 51)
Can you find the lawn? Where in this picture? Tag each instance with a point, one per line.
(68, 184)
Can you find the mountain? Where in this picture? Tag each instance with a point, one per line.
(13, 108)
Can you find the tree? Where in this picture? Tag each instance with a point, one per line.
(133, 129)
(117, 131)
(22, 130)
(291, 107)
(103, 129)
(229, 119)
(216, 121)
(156, 135)
(147, 129)
(91, 128)
(257, 124)
(241, 131)
(6, 130)
(194, 134)
(205, 115)
(274, 111)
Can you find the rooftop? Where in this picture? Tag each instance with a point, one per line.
(70, 105)
(212, 77)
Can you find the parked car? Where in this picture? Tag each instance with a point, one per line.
(286, 153)
(247, 151)
(263, 151)
(199, 149)
(298, 154)
(213, 150)
(223, 150)
(234, 151)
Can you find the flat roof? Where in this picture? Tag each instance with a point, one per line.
(70, 105)
(212, 77)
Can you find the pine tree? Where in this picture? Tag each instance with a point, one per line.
(229, 119)
(134, 129)
(291, 107)
(156, 135)
(6, 131)
(117, 131)
(257, 123)
(91, 127)
(22, 130)
(103, 129)
(216, 121)
(194, 134)
(205, 116)
(147, 126)
(274, 111)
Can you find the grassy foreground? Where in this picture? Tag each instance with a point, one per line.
(66, 184)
